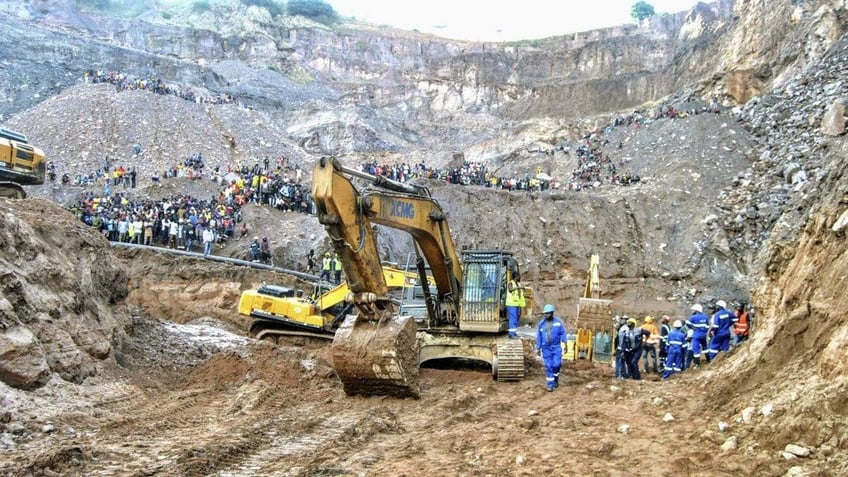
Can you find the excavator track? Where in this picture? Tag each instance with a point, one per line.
(280, 329)
(11, 190)
(508, 361)
(377, 358)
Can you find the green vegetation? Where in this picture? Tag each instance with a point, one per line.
(642, 10)
(199, 6)
(274, 7)
(535, 43)
(316, 10)
(301, 76)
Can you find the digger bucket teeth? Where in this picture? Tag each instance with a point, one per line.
(377, 358)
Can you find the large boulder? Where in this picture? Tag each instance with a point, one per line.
(22, 360)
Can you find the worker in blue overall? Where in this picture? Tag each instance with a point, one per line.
(699, 324)
(550, 334)
(723, 321)
(674, 346)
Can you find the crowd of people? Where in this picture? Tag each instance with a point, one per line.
(676, 346)
(125, 82)
(185, 222)
(177, 222)
(469, 173)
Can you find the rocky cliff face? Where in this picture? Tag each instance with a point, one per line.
(61, 288)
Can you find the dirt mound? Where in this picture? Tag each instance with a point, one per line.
(59, 310)
(284, 366)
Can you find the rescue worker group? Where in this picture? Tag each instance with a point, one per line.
(671, 348)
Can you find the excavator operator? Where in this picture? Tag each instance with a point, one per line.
(514, 303)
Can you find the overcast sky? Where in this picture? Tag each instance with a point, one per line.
(497, 20)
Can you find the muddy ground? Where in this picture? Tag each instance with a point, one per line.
(197, 399)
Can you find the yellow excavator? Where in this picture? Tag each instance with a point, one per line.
(279, 311)
(595, 329)
(20, 164)
(376, 349)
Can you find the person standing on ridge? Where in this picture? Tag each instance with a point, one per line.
(550, 334)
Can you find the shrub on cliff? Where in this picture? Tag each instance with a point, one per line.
(317, 10)
(274, 7)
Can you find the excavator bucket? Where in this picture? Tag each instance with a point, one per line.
(377, 358)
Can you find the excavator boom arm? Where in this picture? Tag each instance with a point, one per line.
(340, 211)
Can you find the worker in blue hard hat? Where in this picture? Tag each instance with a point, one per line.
(550, 334)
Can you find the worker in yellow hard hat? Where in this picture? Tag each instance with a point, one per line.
(630, 343)
(650, 344)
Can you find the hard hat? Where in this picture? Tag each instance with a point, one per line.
(649, 319)
(697, 307)
(721, 304)
(548, 309)
(631, 321)
(255, 238)
(665, 318)
(326, 254)
(677, 324)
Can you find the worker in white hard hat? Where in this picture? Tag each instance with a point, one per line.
(699, 324)
(676, 339)
(550, 334)
(326, 266)
(721, 327)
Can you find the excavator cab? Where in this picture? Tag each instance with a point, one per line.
(485, 274)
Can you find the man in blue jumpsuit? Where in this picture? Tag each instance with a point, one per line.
(699, 324)
(550, 334)
(723, 321)
(674, 346)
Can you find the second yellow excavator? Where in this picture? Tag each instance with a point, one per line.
(283, 312)
(377, 350)
(595, 329)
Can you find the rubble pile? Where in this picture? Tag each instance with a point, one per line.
(794, 128)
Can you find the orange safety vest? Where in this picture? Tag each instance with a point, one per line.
(741, 327)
